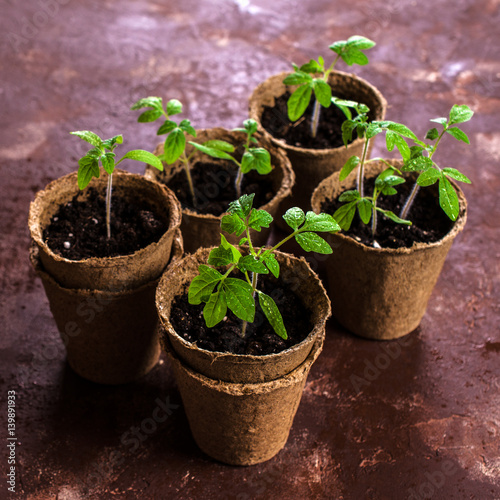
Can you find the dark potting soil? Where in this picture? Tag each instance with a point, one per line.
(429, 222)
(329, 134)
(214, 187)
(260, 338)
(78, 230)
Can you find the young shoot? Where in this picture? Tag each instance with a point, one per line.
(395, 134)
(254, 158)
(219, 290)
(312, 78)
(367, 205)
(103, 153)
(422, 161)
(174, 147)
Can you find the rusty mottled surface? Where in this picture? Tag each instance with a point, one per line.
(415, 418)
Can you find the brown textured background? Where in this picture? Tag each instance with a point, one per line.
(426, 424)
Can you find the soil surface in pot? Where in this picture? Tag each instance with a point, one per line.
(214, 187)
(260, 338)
(329, 135)
(429, 222)
(78, 229)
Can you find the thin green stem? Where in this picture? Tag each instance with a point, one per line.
(255, 278)
(185, 161)
(361, 170)
(283, 241)
(409, 201)
(315, 118)
(109, 190)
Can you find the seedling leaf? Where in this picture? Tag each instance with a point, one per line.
(145, 156)
(349, 166)
(448, 198)
(460, 114)
(232, 224)
(365, 210)
(259, 219)
(174, 145)
(311, 242)
(239, 298)
(174, 107)
(299, 101)
(455, 174)
(220, 256)
(458, 134)
(320, 222)
(89, 136)
(273, 314)
(250, 263)
(203, 285)
(216, 308)
(256, 159)
(294, 217)
(323, 92)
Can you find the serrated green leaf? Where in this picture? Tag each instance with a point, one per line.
(311, 242)
(442, 121)
(108, 162)
(186, 126)
(213, 152)
(294, 217)
(272, 264)
(348, 127)
(203, 285)
(145, 156)
(174, 107)
(455, 174)
(259, 219)
(432, 134)
(428, 177)
(448, 198)
(392, 216)
(216, 308)
(418, 164)
(232, 224)
(220, 145)
(250, 263)
(323, 92)
(351, 195)
(273, 314)
(174, 145)
(400, 129)
(297, 78)
(167, 127)
(239, 298)
(403, 148)
(250, 126)
(345, 214)
(360, 42)
(370, 131)
(353, 56)
(339, 46)
(89, 137)
(220, 256)
(111, 143)
(311, 67)
(242, 206)
(243, 241)
(320, 222)
(349, 166)
(149, 116)
(225, 244)
(365, 210)
(256, 159)
(458, 134)
(298, 102)
(88, 168)
(390, 140)
(460, 114)
(148, 102)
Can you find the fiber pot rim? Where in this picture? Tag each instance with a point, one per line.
(36, 207)
(284, 190)
(34, 256)
(371, 170)
(243, 389)
(182, 278)
(256, 114)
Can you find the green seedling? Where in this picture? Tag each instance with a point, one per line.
(103, 153)
(422, 161)
(174, 147)
(254, 158)
(220, 291)
(312, 78)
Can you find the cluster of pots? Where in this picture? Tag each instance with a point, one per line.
(240, 407)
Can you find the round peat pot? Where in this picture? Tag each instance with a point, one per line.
(110, 337)
(241, 424)
(313, 165)
(241, 407)
(202, 229)
(237, 367)
(381, 293)
(124, 272)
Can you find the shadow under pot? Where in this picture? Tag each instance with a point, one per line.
(240, 407)
(312, 162)
(382, 293)
(108, 326)
(213, 181)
